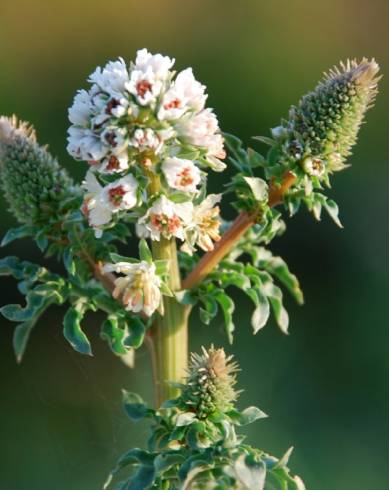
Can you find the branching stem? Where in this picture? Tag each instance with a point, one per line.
(239, 227)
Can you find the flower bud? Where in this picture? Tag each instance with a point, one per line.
(33, 183)
(210, 384)
(325, 124)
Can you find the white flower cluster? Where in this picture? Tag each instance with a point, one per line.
(147, 136)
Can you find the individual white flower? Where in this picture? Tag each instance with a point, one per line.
(95, 208)
(216, 152)
(159, 64)
(194, 91)
(139, 288)
(181, 174)
(115, 137)
(165, 218)
(148, 76)
(114, 163)
(203, 130)
(106, 108)
(146, 139)
(144, 86)
(313, 166)
(122, 194)
(100, 203)
(83, 144)
(185, 93)
(199, 128)
(204, 225)
(80, 111)
(112, 78)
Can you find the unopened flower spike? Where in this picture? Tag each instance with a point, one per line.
(323, 127)
(33, 183)
(210, 382)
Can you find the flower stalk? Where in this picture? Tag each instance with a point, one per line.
(170, 330)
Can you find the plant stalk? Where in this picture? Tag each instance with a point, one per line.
(170, 331)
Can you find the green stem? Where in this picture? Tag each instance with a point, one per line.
(170, 331)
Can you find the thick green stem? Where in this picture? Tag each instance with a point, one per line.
(170, 331)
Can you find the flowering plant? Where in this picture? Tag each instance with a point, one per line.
(149, 140)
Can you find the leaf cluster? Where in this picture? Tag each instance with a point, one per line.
(187, 453)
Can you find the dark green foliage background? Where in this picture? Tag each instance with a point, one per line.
(325, 387)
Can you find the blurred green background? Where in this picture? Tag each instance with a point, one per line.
(325, 386)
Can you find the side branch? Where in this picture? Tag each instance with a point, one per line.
(239, 227)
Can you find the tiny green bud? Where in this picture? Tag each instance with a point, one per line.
(33, 183)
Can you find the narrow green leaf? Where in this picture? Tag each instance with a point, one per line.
(37, 301)
(165, 461)
(232, 278)
(258, 187)
(196, 436)
(17, 233)
(235, 147)
(142, 479)
(192, 466)
(262, 311)
(144, 251)
(68, 261)
(255, 158)
(247, 416)
(121, 258)
(279, 268)
(73, 333)
(210, 311)
(283, 461)
(265, 139)
(42, 242)
(165, 290)
(21, 336)
(9, 266)
(134, 406)
(179, 197)
(133, 456)
(114, 335)
(161, 267)
(333, 210)
(228, 307)
(275, 296)
(135, 332)
(185, 418)
(185, 297)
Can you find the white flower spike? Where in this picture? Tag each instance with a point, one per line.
(144, 124)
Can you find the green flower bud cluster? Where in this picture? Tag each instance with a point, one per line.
(323, 127)
(33, 183)
(210, 383)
